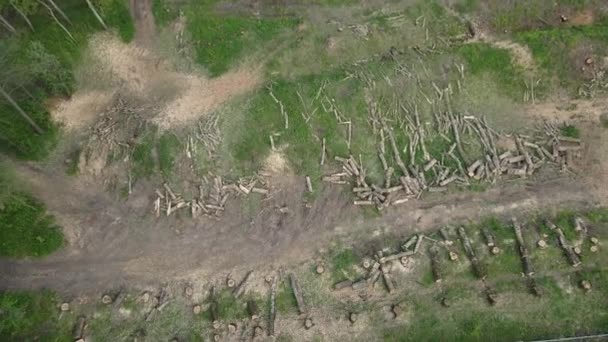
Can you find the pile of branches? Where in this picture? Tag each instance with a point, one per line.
(422, 172)
(210, 200)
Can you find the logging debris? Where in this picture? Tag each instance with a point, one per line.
(206, 203)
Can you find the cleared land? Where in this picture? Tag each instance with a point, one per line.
(304, 171)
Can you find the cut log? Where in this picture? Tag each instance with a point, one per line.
(473, 167)
(273, 306)
(240, 289)
(490, 240)
(435, 264)
(409, 243)
(396, 256)
(297, 293)
(523, 250)
(260, 191)
(342, 285)
(308, 184)
(478, 269)
(572, 257)
(79, 328)
(388, 282)
(418, 243)
(323, 152)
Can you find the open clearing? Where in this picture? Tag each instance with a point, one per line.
(293, 171)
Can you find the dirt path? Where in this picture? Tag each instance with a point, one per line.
(145, 28)
(113, 244)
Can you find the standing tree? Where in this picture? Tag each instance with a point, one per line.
(7, 24)
(23, 8)
(55, 18)
(12, 102)
(96, 14)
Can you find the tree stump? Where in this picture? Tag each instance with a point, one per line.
(352, 317)
(593, 249)
(453, 256)
(188, 291)
(397, 310)
(594, 240)
(445, 302)
(320, 269)
(495, 250)
(145, 297)
(230, 283)
(542, 244)
(232, 328)
(586, 285)
(106, 299)
(308, 323)
(65, 307)
(196, 309)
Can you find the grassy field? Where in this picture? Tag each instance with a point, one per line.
(26, 229)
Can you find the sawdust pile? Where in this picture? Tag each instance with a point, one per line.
(148, 77)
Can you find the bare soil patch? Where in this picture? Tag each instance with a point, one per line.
(177, 98)
(81, 109)
(145, 28)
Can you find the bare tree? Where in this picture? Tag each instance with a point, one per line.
(10, 100)
(7, 24)
(57, 20)
(60, 11)
(96, 14)
(29, 23)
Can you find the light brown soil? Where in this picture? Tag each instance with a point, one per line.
(81, 109)
(113, 243)
(145, 29)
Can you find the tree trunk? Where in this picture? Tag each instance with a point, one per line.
(7, 24)
(29, 23)
(23, 114)
(60, 11)
(96, 14)
(57, 20)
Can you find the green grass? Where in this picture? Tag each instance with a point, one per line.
(163, 12)
(342, 265)
(552, 49)
(31, 317)
(467, 6)
(155, 153)
(168, 147)
(26, 229)
(37, 65)
(221, 40)
(230, 308)
(570, 131)
(144, 164)
(483, 58)
(469, 319)
(116, 14)
(286, 300)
